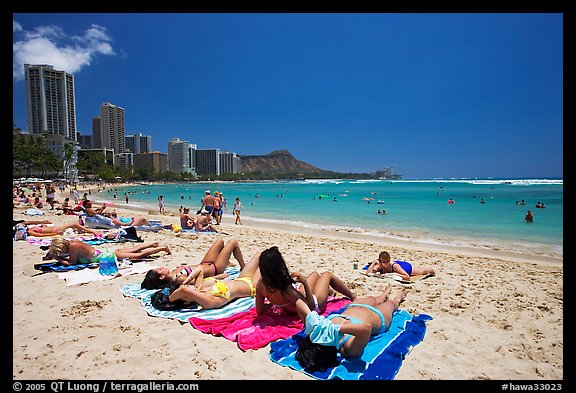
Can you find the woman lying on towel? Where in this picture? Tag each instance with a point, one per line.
(283, 288)
(127, 221)
(214, 293)
(346, 333)
(44, 230)
(405, 269)
(73, 252)
(217, 259)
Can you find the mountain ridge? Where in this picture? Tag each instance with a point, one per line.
(278, 162)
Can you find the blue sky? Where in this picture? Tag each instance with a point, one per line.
(431, 95)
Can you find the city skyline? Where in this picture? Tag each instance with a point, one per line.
(431, 95)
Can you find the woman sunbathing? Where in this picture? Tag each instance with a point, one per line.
(73, 252)
(281, 287)
(127, 221)
(215, 293)
(217, 259)
(44, 230)
(346, 333)
(405, 269)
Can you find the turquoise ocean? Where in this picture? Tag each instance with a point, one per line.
(415, 209)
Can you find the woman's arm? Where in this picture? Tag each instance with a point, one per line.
(189, 293)
(63, 260)
(261, 305)
(308, 294)
(196, 277)
(372, 267)
(396, 268)
(302, 309)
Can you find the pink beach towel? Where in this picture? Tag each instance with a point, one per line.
(252, 331)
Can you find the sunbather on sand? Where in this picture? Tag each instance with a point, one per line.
(72, 252)
(127, 221)
(44, 230)
(405, 269)
(280, 286)
(215, 293)
(217, 259)
(346, 333)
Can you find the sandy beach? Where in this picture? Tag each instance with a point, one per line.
(496, 315)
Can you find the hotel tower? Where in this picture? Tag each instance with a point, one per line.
(50, 101)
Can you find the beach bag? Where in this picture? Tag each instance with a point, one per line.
(132, 234)
(20, 232)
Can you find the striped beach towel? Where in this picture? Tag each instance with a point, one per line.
(232, 308)
(382, 357)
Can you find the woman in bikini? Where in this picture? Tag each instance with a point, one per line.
(346, 333)
(214, 293)
(44, 230)
(405, 269)
(283, 288)
(217, 259)
(73, 252)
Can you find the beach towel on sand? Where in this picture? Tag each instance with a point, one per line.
(251, 331)
(382, 357)
(35, 268)
(145, 296)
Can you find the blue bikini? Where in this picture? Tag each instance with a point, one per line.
(407, 266)
(356, 321)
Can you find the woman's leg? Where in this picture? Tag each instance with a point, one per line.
(139, 248)
(223, 259)
(324, 285)
(141, 221)
(121, 254)
(416, 271)
(251, 269)
(388, 307)
(80, 228)
(214, 251)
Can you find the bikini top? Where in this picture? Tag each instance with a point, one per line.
(186, 270)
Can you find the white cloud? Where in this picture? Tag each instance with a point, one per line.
(50, 45)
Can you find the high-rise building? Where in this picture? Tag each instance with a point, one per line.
(192, 157)
(112, 127)
(178, 156)
(139, 143)
(229, 163)
(208, 162)
(50, 101)
(156, 161)
(96, 133)
(85, 141)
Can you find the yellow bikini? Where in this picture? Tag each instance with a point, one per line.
(248, 280)
(220, 288)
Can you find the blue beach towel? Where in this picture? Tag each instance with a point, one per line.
(145, 296)
(382, 357)
(193, 230)
(55, 266)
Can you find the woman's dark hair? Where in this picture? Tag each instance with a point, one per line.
(275, 273)
(152, 280)
(316, 357)
(161, 300)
